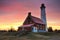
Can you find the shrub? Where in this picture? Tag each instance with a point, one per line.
(50, 29)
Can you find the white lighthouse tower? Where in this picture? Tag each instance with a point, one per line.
(43, 15)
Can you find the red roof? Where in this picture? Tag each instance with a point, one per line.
(37, 20)
(28, 25)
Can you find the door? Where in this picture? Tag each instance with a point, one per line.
(34, 29)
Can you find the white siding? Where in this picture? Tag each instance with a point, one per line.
(34, 29)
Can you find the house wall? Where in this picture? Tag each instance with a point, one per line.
(28, 29)
(34, 29)
(42, 28)
(25, 28)
(19, 28)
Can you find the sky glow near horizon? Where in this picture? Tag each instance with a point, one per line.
(14, 12)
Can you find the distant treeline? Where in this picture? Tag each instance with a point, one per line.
(51, 30)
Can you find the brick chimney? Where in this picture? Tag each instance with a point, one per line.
(29, 13)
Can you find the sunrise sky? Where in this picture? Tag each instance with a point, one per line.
(14, 12)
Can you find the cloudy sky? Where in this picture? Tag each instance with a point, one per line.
(14, 12)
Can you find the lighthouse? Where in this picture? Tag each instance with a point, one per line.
(43, 15)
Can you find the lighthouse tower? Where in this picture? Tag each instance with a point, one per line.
(43, 15)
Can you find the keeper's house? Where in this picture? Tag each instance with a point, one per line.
(34, 24)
